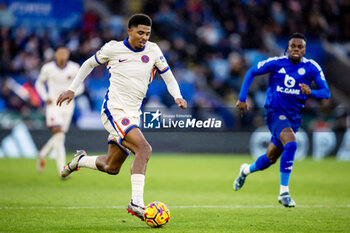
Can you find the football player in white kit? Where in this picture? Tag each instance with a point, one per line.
(132, 64)
(58, 75)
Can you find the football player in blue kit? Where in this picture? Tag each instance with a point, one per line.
(288, 90)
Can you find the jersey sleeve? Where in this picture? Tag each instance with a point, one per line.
(104, 54)
(160, 63)
(80, 89)
(262, 67)
(265, 66)
(172, 85)
(320, 80)
(83, 72)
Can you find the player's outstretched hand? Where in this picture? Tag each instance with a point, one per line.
(305, 89)
(67, 95)
(181, 103)
(242, 106)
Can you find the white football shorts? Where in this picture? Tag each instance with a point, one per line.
(118, 124)
(59, 116)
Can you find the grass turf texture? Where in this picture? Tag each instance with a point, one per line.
(196, 188)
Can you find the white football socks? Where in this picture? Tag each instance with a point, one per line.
(246, 170)
(60, 150)
(88, 161)
(48, 146)
(284, 189)
(137, 185)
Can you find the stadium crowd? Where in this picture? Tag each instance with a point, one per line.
(209, 45)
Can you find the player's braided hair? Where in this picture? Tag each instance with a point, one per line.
(295, 35)
(139, 19)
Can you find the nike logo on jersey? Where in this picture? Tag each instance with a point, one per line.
(122, 60)
(282, 71)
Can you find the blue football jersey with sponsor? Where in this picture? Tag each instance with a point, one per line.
(283, 93)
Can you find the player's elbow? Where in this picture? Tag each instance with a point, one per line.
(325, 95)
(89, 64)
(252, 72)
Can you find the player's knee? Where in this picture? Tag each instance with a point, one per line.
(144, 147)
(143, 150)
(112, 170)
(56, 129)
(147, 150)
(272, 160)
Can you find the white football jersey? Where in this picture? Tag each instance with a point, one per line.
(131, 71)
(58, 80)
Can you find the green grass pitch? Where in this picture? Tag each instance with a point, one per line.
(196, 188)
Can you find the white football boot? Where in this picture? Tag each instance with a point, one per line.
(73, 165)
(239, 181)
(136, 210)
(286, 200)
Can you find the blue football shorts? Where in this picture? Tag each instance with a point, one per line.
(276, 122)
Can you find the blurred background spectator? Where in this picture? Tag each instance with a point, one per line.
(209, 45)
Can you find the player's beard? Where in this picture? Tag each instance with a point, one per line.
(295, 59)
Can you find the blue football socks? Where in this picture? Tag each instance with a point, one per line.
(287, 160)
(260, 164)
(286, 165)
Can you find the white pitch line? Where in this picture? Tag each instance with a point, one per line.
(258, 206)
(172, 207)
